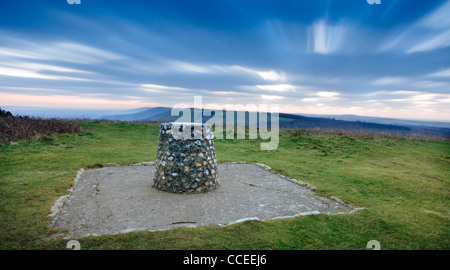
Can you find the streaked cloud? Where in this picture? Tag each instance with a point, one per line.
(271, 97)
(10, 52)
(430, 32)
(28, 73)
(441, 40)
(409, 96)
(267, 75)
(327, 94)
(276, 87)
(311, 100)
(160, 88)
(44, 67)
(388, 80)
(439, 18)
(313, 57)
(182, 66)
(59, 51)
(64, 101)
(322, 98)
(324, 38)
(433, 84)
(444, 73)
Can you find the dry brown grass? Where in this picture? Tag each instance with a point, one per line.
(28, 128)
(361, 133)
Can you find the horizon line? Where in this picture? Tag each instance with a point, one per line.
(206, 108)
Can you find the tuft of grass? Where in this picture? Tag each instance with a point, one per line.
(402, 182)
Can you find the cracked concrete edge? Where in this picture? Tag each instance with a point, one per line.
(61, 201)
(144, 163)
(110, 164)
(353, 209)
(188, 225)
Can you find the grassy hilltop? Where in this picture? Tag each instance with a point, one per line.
(403, 183)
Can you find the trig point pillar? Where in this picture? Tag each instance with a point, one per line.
(186, 159)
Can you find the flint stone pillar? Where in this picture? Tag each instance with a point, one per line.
(186, 159)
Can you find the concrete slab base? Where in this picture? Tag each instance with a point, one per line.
(121, 199)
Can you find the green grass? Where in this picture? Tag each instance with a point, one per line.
(402, 183)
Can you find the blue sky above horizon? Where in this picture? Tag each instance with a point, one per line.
(315, 57)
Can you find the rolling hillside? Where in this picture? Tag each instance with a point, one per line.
(347, 122)
(163, 114)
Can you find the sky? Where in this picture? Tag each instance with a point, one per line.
(309, 56)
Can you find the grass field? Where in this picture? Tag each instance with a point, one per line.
(403, 184)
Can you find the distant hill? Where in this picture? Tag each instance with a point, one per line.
(142, 114)
(163, 114)
(65, 113)
(382, 120)
(298, 121)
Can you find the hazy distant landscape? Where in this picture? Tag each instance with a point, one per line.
(308, 121)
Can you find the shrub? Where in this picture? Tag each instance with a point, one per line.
(28, 128)
(4, 113)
